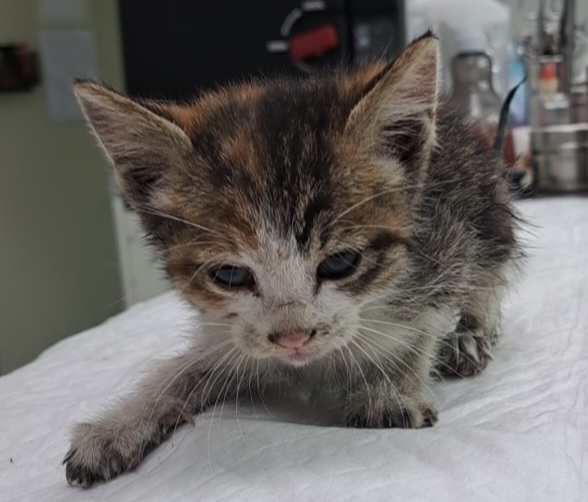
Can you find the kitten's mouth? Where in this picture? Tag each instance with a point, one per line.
(296, 356)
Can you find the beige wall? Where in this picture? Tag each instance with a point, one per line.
(58, 265)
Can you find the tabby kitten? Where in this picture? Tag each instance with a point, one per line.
(337, 230)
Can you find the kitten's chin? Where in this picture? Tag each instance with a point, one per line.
(296, 363)
(297, 359)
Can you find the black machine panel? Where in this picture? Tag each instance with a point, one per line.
(174, 47)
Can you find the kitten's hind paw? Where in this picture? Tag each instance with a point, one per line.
(464, 353)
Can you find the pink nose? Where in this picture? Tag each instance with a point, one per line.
(293, 340)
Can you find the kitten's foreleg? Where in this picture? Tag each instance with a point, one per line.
(119, 439)
(390, 386)
(389, 398)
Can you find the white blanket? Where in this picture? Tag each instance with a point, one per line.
(517, 432)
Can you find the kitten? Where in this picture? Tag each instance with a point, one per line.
(339, 230)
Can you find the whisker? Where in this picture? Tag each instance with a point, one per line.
(228, 373)
(191, 393)
(364, 201)
(394, 189)
(367, 387)
(406, 345)
(213, 323)
(373, 361)
(238, 382)
(348, 369)
(439, 340)
(250, 361)
(397, 394)
(231, 374)
(187, 367)
(195, 274)
(260, 389)
(218, 370)
(153, 212)
(193, 243)
(397, 358)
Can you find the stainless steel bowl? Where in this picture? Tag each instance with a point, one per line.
(560, 158)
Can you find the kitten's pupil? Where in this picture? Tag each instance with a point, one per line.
(338, 265)
(230, 276)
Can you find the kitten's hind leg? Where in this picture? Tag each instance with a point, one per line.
(119, 439)
(468, 350)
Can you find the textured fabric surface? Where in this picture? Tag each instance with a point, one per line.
(517, 432)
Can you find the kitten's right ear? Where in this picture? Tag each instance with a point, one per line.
(140, 144)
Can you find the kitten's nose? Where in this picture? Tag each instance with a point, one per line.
(291, 339)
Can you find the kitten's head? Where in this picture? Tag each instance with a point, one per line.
(281, 207)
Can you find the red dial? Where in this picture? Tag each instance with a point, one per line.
(314, 42)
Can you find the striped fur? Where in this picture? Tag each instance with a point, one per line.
(275, 176)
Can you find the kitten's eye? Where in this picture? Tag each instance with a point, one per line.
(230, 277)
(338, 265)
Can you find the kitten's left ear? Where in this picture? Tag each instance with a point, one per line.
(396, 115)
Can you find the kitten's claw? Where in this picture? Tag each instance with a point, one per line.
(412, 414)
(464, 354)
(97, 454)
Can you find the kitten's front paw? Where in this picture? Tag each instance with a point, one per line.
(98, 454)
(405, 413)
